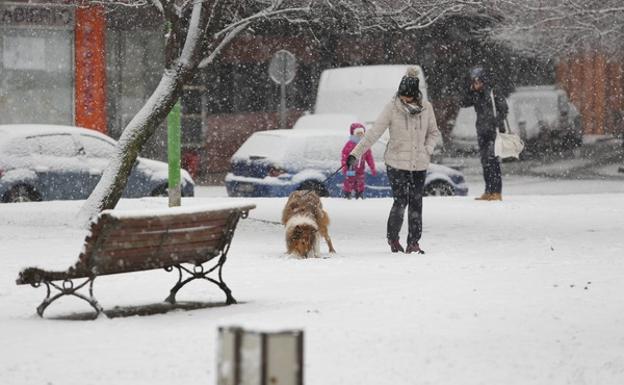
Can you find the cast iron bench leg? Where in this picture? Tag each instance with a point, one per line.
(199, 273)
(67, 288)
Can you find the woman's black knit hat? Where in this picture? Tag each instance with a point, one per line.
(409, 85)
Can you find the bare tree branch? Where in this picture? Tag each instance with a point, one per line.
(559, 27)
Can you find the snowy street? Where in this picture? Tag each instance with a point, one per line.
(523, 291)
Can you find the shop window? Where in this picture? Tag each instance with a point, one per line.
(36, 75)
(134, 61)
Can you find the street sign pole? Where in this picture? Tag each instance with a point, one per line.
(283, 105)
(282, 71)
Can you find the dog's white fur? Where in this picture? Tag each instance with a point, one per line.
(299, 219)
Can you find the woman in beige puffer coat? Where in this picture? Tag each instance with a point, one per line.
(413, 134)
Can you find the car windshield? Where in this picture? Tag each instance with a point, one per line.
(96, 147)
(52, 145)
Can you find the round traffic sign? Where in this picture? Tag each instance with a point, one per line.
(283, 67)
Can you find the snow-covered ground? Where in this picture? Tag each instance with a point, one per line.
(524, 291)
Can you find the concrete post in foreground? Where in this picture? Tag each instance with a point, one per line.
(259, 358)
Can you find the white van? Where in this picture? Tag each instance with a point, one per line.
(362, 91)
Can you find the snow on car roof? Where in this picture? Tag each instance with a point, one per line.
(278, 145)
(10, 131)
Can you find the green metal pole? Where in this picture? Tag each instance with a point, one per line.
(173, 155)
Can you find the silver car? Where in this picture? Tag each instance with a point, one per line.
(47, 162)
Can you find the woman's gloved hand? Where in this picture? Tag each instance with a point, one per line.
(351, 161)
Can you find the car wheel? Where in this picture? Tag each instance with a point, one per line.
(161, 191)
(316, 186)
(439, 189)
(21, 193)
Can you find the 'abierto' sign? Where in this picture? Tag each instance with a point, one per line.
(28, 15)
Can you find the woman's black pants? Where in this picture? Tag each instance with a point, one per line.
(407, 192)
(490, 163)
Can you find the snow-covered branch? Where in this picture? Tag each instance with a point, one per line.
(224, 42)
(264, 14)
(562, 26)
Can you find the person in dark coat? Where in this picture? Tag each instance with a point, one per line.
(484, 98)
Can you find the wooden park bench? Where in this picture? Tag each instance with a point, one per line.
(194, 240)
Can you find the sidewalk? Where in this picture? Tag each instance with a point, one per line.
(600, 159)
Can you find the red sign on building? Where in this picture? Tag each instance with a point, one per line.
(90, 51)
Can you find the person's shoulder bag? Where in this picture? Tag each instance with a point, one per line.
(507, 144)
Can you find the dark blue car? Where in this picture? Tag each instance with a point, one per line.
(275, 163)
(45, 162)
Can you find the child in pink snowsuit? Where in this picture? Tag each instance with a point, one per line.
(354, 180)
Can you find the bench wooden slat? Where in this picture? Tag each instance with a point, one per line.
(123, 234)
(180, 249)
(146, 260)
(141, 265)
(154, 226)
(161, 239)
(171, 221)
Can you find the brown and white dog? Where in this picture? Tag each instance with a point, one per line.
(305, 219)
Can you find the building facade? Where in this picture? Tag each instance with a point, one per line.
(85, 66)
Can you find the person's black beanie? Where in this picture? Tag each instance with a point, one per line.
(409, 84)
